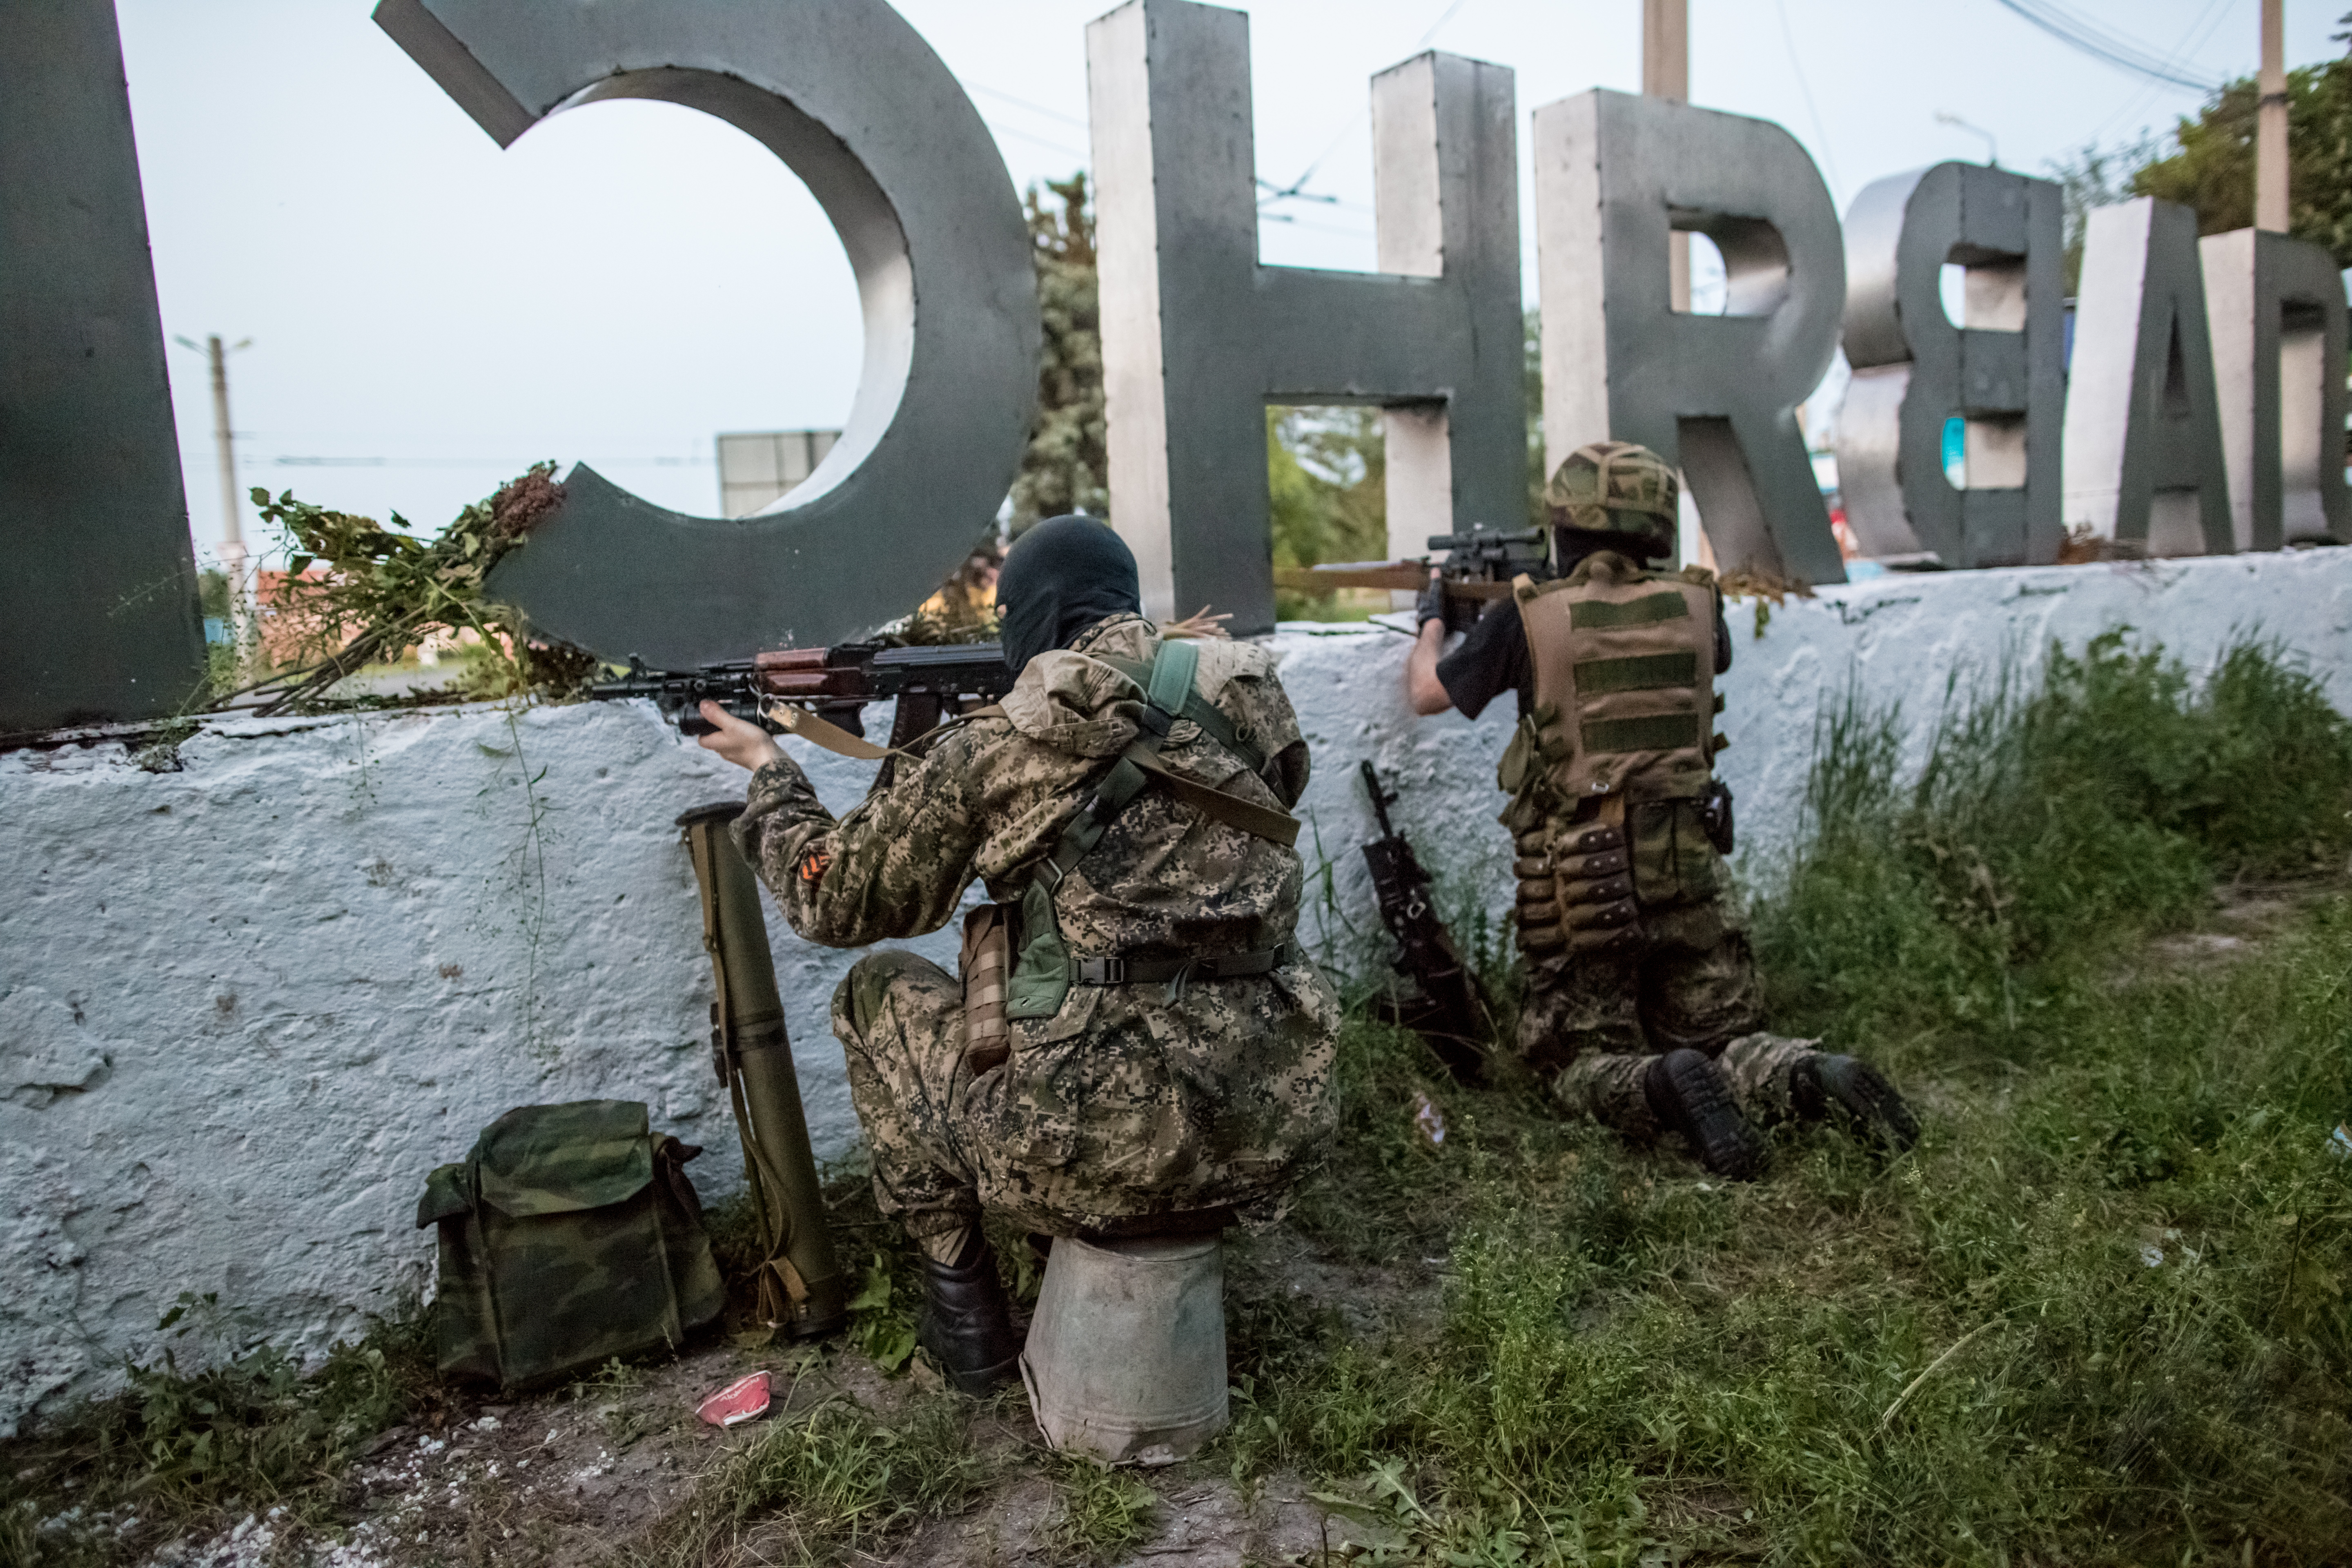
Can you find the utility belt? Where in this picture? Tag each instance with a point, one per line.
(1576, 878)
(1014, 963)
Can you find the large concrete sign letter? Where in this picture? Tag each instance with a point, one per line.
(2276, 307)
(849, 96)
(98, 595)
(2143, 439)
(2003, 369)
(1615, 175)
(1198, 337)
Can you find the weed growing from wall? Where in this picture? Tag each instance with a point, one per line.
(522, 882)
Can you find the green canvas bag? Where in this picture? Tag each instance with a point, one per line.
(569, 1236)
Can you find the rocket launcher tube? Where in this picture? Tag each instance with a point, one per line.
(802, 1290)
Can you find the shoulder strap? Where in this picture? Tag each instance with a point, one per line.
(1169, 694)
(1188, 702)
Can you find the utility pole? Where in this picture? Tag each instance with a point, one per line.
(2270, 127)
(243, 627)
(1665, 73)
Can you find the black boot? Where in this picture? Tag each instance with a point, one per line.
(966, 1324)
(1687, 1093)
(1822, 1085)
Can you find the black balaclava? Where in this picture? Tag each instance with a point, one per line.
(1058, 579)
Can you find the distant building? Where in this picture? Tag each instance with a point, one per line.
(758, 468)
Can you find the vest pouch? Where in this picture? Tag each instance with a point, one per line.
(1675, 863)
(1041, 978)
(1520, 762)
(569, 1236)
(986, 965)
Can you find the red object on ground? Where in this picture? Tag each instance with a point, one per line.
(745, 1399)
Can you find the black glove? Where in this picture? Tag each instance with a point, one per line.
(1431, 605)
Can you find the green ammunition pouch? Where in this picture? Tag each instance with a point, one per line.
(1044, 971)
(569, 1235)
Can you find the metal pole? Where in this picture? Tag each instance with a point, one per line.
(2269, 132)
(244, 628)
(1665, 73)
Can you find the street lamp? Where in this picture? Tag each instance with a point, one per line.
(1993, 148)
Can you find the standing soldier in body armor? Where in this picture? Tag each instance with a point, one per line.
(1643, 1008)
(1137, 1045)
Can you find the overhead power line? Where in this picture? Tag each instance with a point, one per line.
(2080, 33)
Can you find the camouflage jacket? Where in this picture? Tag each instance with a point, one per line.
(988, 797)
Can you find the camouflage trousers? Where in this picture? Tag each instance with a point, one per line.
(1607, 1086)
(1121, 1110)
(1593, 1025)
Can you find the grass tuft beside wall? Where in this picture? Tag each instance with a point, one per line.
(2050, 822)
(2099, 1315)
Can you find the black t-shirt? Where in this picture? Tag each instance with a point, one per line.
(1494, 658)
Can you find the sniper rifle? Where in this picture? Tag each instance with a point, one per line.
(778, 691)
(1479, 564)
(1441, 1001)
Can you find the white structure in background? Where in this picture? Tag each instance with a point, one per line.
(256, 1116)
(759, 467)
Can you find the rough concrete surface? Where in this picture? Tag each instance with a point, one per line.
(246, 1006)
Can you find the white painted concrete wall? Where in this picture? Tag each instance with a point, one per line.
(243, 1008)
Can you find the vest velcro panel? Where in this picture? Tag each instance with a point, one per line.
(1624, 664)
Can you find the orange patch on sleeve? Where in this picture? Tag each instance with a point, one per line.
(813, 864)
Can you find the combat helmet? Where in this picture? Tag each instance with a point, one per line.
(1616, 487)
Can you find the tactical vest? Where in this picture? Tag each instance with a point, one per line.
(1624, 711)
(1624, 668)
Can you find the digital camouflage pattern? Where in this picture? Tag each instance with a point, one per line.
(1130, 1101)
(1615, 487)
(1607, 1086)
(568, 1236)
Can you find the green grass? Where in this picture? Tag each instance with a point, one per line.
(1965, 1355)
(2098, 1316)
(244, 1428)
(2050, 822)
(833, 1478)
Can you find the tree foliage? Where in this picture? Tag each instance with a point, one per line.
(2206, 161)
(1327, 494)
(2213, 171)
(1065, 467)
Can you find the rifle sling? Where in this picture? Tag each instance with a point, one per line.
(822, 731)
(1263, 821)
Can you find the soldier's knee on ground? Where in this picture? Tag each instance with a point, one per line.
(859, 1000)
(1760, 1068)
(1608, 1088)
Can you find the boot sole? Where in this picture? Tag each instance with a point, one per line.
(1710, 1119)
(1878, 1112)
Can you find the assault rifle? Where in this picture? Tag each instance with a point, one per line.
(834, 683)
(1479, 564)
(1443, 1001)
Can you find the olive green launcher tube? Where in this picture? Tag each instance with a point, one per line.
(802, 1289)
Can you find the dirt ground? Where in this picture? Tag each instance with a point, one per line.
(566, 1478)
(573, 1477)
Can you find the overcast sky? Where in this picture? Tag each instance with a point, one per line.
(429, 315)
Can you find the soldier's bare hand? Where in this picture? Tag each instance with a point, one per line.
(1199, 623)
(739, 741)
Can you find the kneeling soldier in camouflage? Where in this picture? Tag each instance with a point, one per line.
(1137, 1045)
(1643, 1008)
